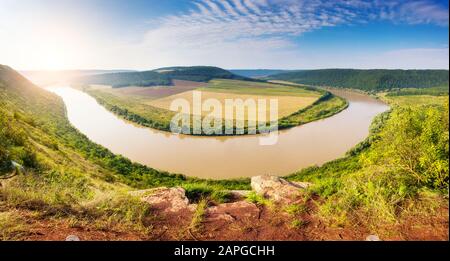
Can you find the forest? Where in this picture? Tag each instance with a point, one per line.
(367, 80)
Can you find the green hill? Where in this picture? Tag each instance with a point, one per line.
(198, 73)
(122, 79)
(257, 73)
(368, 80)
(162, 76)
(35, 133)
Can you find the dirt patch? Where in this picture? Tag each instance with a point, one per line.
(239, 220)
(57, 229)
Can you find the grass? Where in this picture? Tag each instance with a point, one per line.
(326, 106)
(415, 100)
(199, 215)
(259, 88)
(199, 191)
(434, 91)
(74, 197)
(297, 224)
(12, 226)
(134, 110)
(258, 199)
(296, 209)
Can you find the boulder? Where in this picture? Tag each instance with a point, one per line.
(276, 188)
(372, 238)
(72, 238)
(168, 199)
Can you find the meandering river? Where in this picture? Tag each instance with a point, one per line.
(224, 157)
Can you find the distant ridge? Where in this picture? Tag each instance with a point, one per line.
(367, 79)
(161, 76)
(47, 77)
(257, 73)
(122, 79)
(198, 73)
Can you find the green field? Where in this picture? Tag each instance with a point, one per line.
(297, 105)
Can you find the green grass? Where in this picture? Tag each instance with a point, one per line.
(435, 91)
(199, 215)
(12, 226)
(258, 199)
(298, 224)
(296, 209)
(134, 110)
(198, 191)
(259, 88)
(328, 105)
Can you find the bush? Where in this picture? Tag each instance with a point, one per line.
(414, 143)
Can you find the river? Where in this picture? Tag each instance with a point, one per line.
(224, 157)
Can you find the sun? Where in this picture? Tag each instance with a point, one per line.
(55, 48)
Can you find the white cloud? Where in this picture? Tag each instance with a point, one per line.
(259, 33)
(415, 12)
(225, 33)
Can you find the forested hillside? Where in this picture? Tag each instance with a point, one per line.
(257, 73)
(162, 76)
(368, 80)
(147, 78)
(198, 73)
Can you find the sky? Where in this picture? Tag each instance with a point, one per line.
(232, 34)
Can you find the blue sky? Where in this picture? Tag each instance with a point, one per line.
(285, 34)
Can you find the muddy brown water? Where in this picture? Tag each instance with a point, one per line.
(224, 157)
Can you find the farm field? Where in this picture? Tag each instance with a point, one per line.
(287, 104)
(155, 92)
(150, 106)
(259, 88)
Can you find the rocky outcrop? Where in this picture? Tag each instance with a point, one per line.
(167, 199)
(276, 188)
(174, 199)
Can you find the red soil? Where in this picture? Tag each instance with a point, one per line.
(242, 221)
